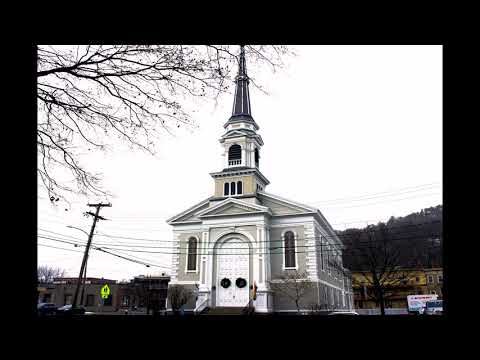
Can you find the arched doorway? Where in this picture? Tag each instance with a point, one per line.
(233, 273)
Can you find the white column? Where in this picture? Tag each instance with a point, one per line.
(204, 261)
(244, 159)
(256, 251)
(209, 251)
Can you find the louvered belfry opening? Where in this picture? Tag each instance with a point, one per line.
(234, 155)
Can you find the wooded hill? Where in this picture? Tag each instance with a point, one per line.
(414, 240)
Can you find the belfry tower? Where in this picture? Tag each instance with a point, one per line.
(241, 176)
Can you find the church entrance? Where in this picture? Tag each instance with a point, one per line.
(233, 273)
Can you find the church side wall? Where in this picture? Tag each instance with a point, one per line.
(277, 255)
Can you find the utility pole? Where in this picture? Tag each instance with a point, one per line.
(82, 299)
(87, 248)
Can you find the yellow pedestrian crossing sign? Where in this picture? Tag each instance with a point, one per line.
(105, 291)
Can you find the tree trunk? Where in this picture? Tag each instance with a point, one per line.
(298, 307)
(382, 303)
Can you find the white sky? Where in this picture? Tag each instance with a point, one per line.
(339, 122)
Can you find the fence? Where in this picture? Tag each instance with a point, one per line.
(388, 311)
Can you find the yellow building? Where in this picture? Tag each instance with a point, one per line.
(434, 280)
(403, 283)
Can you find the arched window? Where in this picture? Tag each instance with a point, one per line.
(234, 155)
(239, 188)
(232, 188)
(192, 254)
(289, 240)
(226, 189)
(257, 157)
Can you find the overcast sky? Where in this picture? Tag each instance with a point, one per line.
(355, 131)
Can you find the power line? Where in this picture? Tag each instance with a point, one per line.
(317, 246)
(55, 247)
(101, 249)
(340, 236)
(388, 193)
(393, 193)
(380, 202)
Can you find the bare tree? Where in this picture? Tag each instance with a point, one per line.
(381, 260)
(293, 284)
(46, 274)
(178, 296)
(89, 95)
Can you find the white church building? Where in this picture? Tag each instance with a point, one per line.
(231, 247)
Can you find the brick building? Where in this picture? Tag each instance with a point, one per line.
(143, 292)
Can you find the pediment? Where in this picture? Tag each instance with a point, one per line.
(232, 206)
(191, 214)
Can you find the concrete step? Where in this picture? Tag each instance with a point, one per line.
(225, 311)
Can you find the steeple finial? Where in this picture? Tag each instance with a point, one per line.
(242, 69)
(241, 101)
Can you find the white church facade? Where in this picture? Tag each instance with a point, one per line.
(231, 247)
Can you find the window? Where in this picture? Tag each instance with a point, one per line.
(289, 250)
(234, 155)
(226, 189)
(67, 299)
(239, 188)
(126, 300)
(192, 254)
(90, 300)
(232, 188)
(430, 278)
(257, 157)
(47, 298)
(417, 279)
(440, 278)
(321, 252)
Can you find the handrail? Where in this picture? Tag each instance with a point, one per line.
(196, 310)
(249, 308)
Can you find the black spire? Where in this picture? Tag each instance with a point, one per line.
(241, 100)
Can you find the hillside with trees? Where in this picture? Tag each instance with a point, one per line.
(410, 241)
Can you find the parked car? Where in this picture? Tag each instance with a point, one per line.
(46, 309)
(67, 310)
(434, 307)
(335, 313)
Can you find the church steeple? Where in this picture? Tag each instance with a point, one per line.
(242, 111)
(241, 174)
(241, 101)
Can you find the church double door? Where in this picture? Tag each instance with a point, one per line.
(233, 274)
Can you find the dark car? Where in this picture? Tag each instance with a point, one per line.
(44, 309)
(67, 310)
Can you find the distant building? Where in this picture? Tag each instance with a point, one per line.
(419, 282)
(146, 292)
(434, 280)
(62, 290)
(142, 292)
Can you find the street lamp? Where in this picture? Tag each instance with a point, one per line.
(86, 261)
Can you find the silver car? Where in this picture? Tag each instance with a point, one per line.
(335, 313)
